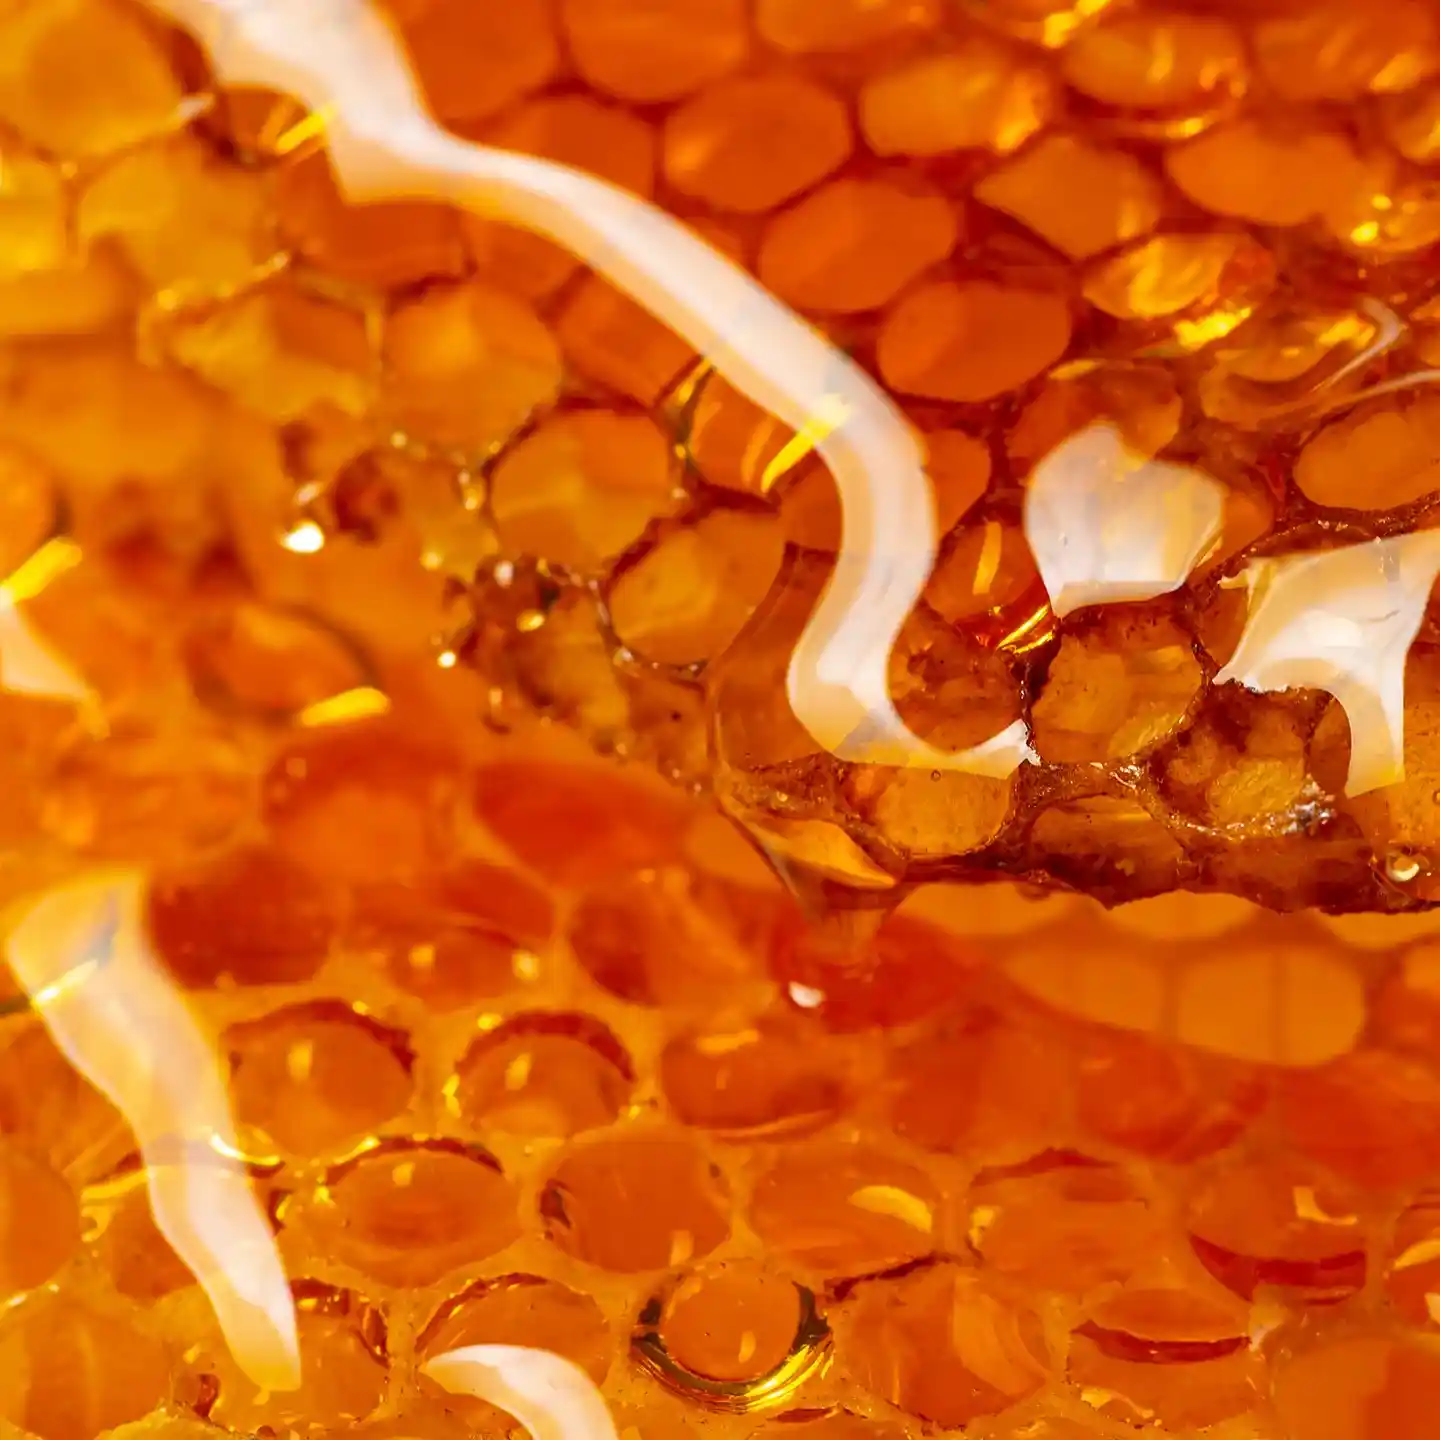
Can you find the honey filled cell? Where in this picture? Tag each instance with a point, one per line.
(720, 718)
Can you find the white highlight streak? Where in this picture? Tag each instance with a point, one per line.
(340, 58)
(80, 953)
(1105, 525)
(552, 1397)
(1343, 621)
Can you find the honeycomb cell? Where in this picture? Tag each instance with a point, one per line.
(734, 1334)
(1203, 286)
(656, 938)
(33, 206)
(1363, 1386)
(83, 78)
(473, 61)
(855, 244)
(612, 341)
(262, 660)
(610, 822)
(249, 916)
(594, 1200)
(982, 95)
(281, 351)
(314, 1076)
(361, 802)
(572, 130)
(1140, 401)
(738, 445)
(685, 598)
(39, 1218)
(69, 1371)
(842, 1209)
(985, 582)
(761, 1082)
(1288, 1004)
(1273, 1222)
(180, 217)
(582, 487)
(408, 1213)
(817, 27)
(1404, 1013)
(1081, 198)
(1063, 1222)
(1175, 1357)
(1275, 172)
(517, 1310)
(1160, 1099)
(386, 244)
(138, 1258)
(971, 341)
(343, 1365)
(547, 1075)
(908, 971)
(1397, 440)
(1387, 213)
(651, 50)
(1371, 1117)
(466, 366)
(751, 144)
(942, 1345)
(1333, 51)
(1173, 67)
(1411, 122)
(48, 1110)
(79, 297)
(1412, 1272)
(470, 933)
(1117, 685)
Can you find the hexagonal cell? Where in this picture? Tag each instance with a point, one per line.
(732, 1337)
(1362, 1386)
(470, 932)
(839, 1209)
(42, 1221)
(1064, 1222)
(655, 939)
(543, 1074)
(69, 1371)
(1277, 1222)
(942, 1345)
(250, 917)
(764, 1081)
(1170, 1356)
(263, 660)
(408, 1213)
(611, 823)
(315, 1076)
(588, 1204)
(362, 802)
(343, 1371)
(517, 1310)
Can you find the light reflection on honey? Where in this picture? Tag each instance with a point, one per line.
(339, 536)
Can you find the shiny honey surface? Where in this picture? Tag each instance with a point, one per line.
(341, 537)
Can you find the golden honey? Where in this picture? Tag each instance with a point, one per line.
(433, 910)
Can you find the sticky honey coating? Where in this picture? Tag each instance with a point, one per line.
(395, 515)
(684, 632)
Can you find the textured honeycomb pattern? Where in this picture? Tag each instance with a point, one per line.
(528, 1048)
(1026, 1167)
(1207, 227)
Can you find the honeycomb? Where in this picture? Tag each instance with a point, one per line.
(355, 546)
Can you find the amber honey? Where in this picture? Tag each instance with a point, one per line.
(405, 614)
